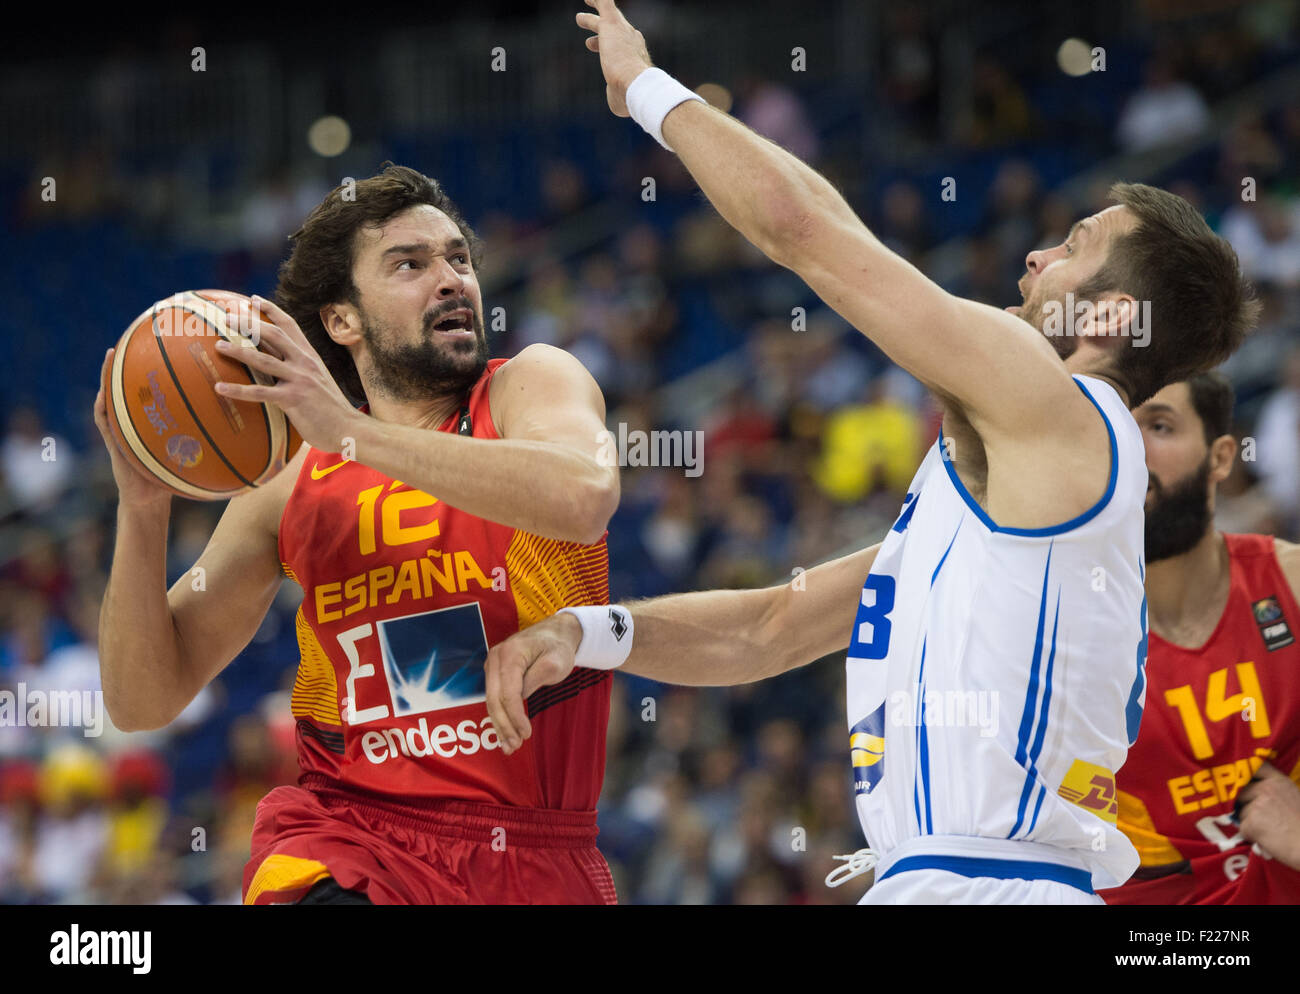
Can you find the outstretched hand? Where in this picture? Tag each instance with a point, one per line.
(623, 55)
(536, 657)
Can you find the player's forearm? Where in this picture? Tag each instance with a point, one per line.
(768, 195)
(799, 220)
(139, 651)
(540, 487)
(724, 637)
(711, 638)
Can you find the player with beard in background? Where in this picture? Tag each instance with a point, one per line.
(1209, 792)
(465, 500)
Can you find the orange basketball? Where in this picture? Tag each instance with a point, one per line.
(165, 415)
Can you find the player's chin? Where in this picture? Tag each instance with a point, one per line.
(457, 344)
(466, 356)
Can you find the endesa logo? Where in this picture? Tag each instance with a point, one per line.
(432, 662)
(447, 741)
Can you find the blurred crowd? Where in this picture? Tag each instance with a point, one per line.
(810, 438)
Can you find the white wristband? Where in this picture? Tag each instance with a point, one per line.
(651, 96)
(606, 635)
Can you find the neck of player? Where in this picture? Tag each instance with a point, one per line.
(428, 413)
(1187, 594)
(1086, 364)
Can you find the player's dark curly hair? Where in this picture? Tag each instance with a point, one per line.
(318, 271)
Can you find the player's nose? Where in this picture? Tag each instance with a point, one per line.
(1039, 259)
(450, 282)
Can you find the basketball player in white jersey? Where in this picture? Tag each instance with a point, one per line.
(996, 648)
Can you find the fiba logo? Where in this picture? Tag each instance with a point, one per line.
(434, 661)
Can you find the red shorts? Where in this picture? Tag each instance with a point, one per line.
(451, 852)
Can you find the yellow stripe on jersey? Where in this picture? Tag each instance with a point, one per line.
(315, 692)
(1135, 821)
(546, 575)
(280, 872)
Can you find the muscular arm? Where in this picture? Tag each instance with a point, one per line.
(158, 648)
(709, 638)
(1001, 371)
(549, 474)
(722, 637)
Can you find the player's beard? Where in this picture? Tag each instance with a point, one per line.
(1180, 516)
(429, 369)
(1032, 310)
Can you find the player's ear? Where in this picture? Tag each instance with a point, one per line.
(1116, 317)
(1223, 450)
(1106, 324)
(342, 323)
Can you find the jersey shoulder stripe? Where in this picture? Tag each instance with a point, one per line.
(1060, 529)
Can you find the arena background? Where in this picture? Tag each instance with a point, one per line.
(168, 178)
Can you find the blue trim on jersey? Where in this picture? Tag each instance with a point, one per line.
(997, 869)
(1042, 793)
(944, 558)
(922, 737)
(1133, 710)
(1044, 711)
(900, 525)
(923, 750)
(1029, 712)
(917, 717)
(1082, 519)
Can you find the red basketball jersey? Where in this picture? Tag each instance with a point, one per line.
(1212, 716)
(403, 595)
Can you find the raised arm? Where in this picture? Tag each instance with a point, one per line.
(709, 638)
(1001, 371)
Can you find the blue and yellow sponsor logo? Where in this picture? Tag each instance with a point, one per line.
(867, 750)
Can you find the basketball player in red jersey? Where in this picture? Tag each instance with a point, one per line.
(1209, 793)
(465, 501)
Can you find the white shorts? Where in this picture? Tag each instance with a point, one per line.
(948, 870)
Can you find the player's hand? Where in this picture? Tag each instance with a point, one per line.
(1270, 814)
(623, 55)
(135, 488)
(536, 657)
(304, 388)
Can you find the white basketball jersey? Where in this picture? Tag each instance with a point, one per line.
(996, 676)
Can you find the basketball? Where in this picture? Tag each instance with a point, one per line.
(166, 416)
